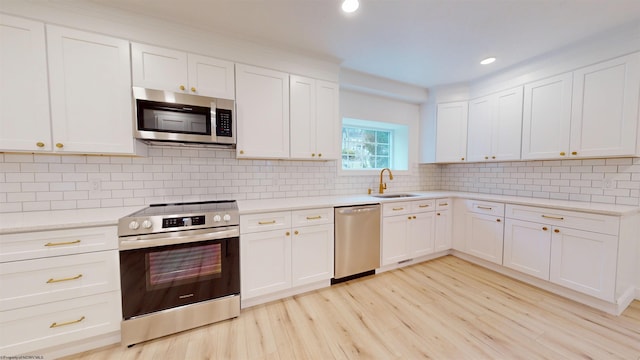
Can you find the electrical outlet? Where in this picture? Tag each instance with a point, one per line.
(608, 183)
(94, 185)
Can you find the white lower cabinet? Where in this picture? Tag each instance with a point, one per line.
(443, 223)
(408, 230)
(484, 230)
(280, 251)
(65, 287)
(576, 250)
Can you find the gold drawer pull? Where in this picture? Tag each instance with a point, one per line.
(398, 209)
(314, 217)
(553, 217)
(63, 243)
(485, 208)
(54, 325)
(266, 222)
(52, 280)
(444, 204)
(424, 206)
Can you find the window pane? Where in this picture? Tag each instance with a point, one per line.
(383, 137)
(361, 148)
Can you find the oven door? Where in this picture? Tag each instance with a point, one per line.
(157, 278)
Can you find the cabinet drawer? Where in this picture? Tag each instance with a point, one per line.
(37, 327)
(33, 245)
(443, 204)
(485, 207)
(311, 217)
(423, 206)
(265, 222)
(396, 208)
(604, 224)
(34, 282)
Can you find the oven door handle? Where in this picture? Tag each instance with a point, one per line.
(154, 240)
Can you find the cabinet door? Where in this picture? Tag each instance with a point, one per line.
(394, 239)
(443, 239)
(484, 236)
(159, 68)
(328, 124)
(527, 247)
(90, 82)
(479, 129)
(24, 114)
(421, 233)
(506, 126)
(605, 108)
(546, 118)
(584, 261)
(262, 102)
(312, 254)
(451, 132)
(303, 117)
(266, 262)
(211, 77)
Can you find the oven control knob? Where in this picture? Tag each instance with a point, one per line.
(217, 218)
(134, 225)
(147, 224)
(226, 217)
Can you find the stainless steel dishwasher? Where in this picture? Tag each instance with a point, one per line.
(357, 241)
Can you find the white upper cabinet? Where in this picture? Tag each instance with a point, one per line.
(24, 113)
(547, 118)
(262, 105)
(314, 119)
(451, 132)
(605, 108)
(177, 71)
(90, 89)
(495, 124)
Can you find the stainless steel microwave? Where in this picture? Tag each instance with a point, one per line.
(176, 117)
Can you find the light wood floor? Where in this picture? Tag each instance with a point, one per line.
(442, 309)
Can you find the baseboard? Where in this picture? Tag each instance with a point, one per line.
(77, 347)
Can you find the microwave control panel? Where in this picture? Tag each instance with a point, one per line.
(223, 123)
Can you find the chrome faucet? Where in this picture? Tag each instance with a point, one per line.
(383, 186)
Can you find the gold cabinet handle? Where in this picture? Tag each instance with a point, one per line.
(553, 217)
(266, 222)
(63, 243)
(59, 145)
(438, 214)
(398, 209)
(320, 155)
(493, 157)
(287, 233)
(574, 153)
(444, 204)
(313, 154)
(296, 232)
(423, 206)
(556, 231)
(545, 228)
(40, 144)
(486, 158)
(409, 217)
(182, 87)
(193, 89)
(485, 208)
(55, 324)
(314, 217)
(562, 153)
(498, 220)
(241, 152)
(462, 159)
(414, 216)
(52, 280)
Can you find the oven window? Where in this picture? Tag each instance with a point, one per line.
(181, 266)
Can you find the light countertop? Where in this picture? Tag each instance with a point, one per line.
(65, 219)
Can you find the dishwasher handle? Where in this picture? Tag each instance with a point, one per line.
(357, 210)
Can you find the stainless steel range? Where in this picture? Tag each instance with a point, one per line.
(179, 268)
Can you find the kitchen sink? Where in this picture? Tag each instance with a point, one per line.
(393, 196)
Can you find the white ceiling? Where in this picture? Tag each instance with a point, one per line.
(421, 42)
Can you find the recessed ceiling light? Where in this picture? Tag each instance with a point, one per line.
(350, 6)
(488, 61)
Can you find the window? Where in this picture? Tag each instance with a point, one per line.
(373, 145)
(365, 148)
